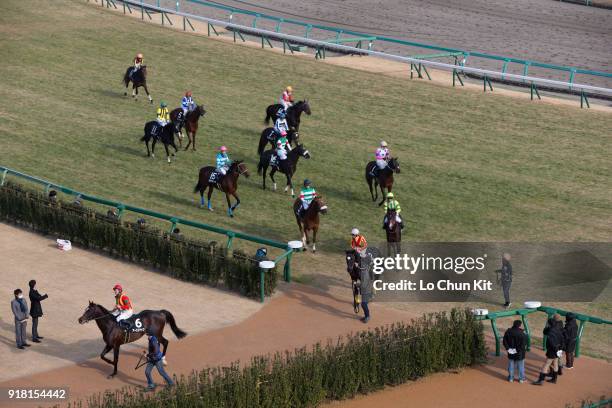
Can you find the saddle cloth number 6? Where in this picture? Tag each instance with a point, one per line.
(138, 323)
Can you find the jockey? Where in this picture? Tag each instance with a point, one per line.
(286, 98)
(163, 117)
(391, 204)
(123, 308)
(187, 104)
(358, 242)
(382, 156)
(280, 126)
(307, 194)
(138, 60)
(223, 160)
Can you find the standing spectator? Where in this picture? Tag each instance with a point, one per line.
(506, 278)
(35, 310)
(19, 306)
(559, 326)
(554, 342)
(366, 290)
(515, 342)
(570, 335)
(155, 359)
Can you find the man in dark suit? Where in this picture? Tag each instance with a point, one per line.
(35, 310)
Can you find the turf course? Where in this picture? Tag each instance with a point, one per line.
(474, 166)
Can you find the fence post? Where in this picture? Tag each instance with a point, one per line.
(534, 89)
(527, 331)
(580, 331)
(230, 239)
(496, 334)
(173, 226)
(264, 266)
(584, 99)
(3, 177)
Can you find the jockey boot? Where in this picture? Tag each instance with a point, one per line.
(540, 379)
(125, 325)
(553, 380)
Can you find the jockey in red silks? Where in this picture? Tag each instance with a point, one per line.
(123, 308)
(286, 98)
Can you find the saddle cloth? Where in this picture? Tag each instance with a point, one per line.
(134, 324)
(215, 177)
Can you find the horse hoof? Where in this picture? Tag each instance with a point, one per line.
(210, 209)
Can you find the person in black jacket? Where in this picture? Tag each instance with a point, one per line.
(571, 334)
(35, 310)
(554, 345)
(515, 342)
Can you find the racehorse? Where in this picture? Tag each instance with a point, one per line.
(165, 134)
(353, 267)
(287, 167)
(310, 220)
(293, 113)
(114, 335)
(138, 79)
(191, 124)
(228, 184)
(270, 136)
(394, 234)
(384, 179)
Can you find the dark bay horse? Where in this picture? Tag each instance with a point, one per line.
(114, 335)
(164, 134)
(384, 179)
(270, 136)
(227, 184)
(287, 167)
(310, 220)
(293, 113)
(353, 267)
(138, 79)
(394, 234)
(190, 122)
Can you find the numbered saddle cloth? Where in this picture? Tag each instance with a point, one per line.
(215, 177)
(134, 323)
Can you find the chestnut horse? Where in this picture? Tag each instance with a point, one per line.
(138, 79)
(190, 122)
(228, 184)
(384, 178)
(114, 336)
(310, 220)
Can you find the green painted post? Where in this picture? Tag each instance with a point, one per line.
(308, 30)
(121, 209)
(3, 177)
(580, 331)
(287, 268)
(584, 100)
(230, 239)
(571, 77)
(141, 9)
(262, 280)
(504, 68)
(255, 20)
(173, 226)
(527, 331)
(278, 25)
(496, 334)
(526, 68)
(484, 84)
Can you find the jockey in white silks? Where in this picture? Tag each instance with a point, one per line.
(281, 127)
(382, 155)
(286, 98)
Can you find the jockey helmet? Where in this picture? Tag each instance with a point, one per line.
(118, 287)
(389, 195)
(223, 149)
(139, 56)
(188, 93)
(289, 89)
(354, 231)
(307, 183)
(163, 104)
(383, 143)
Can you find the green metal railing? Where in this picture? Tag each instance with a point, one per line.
(173, 220)
(550, 311)
(279, 22)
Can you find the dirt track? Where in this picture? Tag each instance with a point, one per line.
(541, 30)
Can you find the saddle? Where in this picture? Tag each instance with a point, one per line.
(132, 324)
(156, 130)
(215, 177)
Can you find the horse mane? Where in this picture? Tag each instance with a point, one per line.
(105, 310)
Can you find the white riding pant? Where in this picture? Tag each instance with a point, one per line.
(286, 105)
(305, 204)
(397, 218)
(161, 122)
(222, 170)
(125, 314)
(381, 164)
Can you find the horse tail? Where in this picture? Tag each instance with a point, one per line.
(260, 166)
(170, 319)
(262, 143)
(267, 119)
(197, 187)
(144, 138)
(126, 77)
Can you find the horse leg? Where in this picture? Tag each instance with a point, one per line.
(237, 201)
(272, 178)
(264, 172)
(210, 191)
(314, 239)
(116, 361)
(134, 92)
(107, 348)
(382, 193)
(148, 151)
(193, 143)
(230, 210)
(370, 181)
(167, 152)
(164, 342)
(153, 147)
(147, 91)
(189, 141)
(202, 201)
(126, 89)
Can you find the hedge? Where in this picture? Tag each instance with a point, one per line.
(176, 256)
(356, 364)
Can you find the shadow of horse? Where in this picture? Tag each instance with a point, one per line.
(124, 149)
(173, 199)
(107, 92)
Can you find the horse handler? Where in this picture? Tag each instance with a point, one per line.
(155, 359)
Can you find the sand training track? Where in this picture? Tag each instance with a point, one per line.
(225, 328)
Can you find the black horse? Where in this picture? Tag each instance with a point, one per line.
(353, 267)
(293, 113)
(164, 134)
(228, 184)
(114, 335)
(287, 167)
(270, 136)
(383, 178)
(138, 79)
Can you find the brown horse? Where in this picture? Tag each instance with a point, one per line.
(138, 79)
(114, 335)
(310, 220)
(190, 122)
(394, 234)
(384, 179)
(228, 184)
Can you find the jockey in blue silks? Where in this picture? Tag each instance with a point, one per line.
(223, 161)
(187, 103)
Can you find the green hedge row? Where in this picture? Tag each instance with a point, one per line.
(190, 260)
(357, 364)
